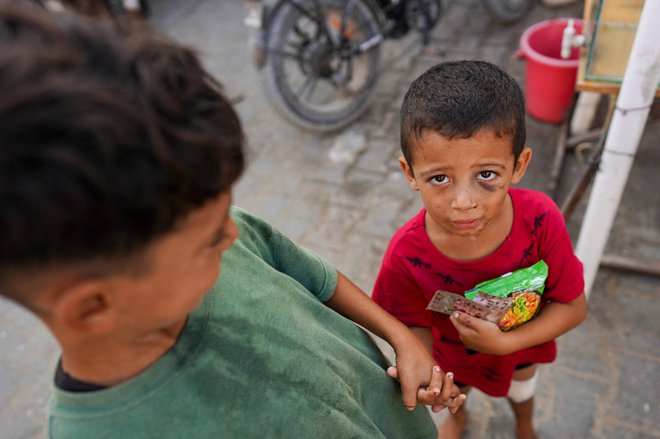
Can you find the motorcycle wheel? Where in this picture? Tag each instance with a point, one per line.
(508, 11)
(306, 78)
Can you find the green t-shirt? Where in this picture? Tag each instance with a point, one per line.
(261, 357)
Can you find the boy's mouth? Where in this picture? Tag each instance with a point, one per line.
(466, 224)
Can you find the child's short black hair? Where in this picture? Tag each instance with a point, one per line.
(107, 139)
(457, 98)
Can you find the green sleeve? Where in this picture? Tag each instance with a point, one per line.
(312, 271)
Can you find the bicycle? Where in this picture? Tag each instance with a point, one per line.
(320, 59)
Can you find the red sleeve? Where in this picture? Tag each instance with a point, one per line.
(565, 279)
(397, 292)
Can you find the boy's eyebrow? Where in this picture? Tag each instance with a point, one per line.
(432, 171)
(491, 165)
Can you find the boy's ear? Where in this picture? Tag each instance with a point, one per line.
(407, 170)
(85, 307)
(521, 165)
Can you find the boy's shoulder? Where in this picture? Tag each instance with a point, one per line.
(250, 224)
(529, 202)
(255, 235)
(535, 210)
(532, 198)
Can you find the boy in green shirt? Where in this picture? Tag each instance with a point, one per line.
(177, 315)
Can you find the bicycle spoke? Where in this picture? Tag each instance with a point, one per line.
(309, 82)
(311, 90)
(349, 68)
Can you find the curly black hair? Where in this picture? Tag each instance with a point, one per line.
(108, 138)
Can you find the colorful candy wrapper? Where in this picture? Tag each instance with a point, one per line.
(523, 287)
(509, 300)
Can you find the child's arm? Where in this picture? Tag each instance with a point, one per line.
(414, 362)
(555, 319)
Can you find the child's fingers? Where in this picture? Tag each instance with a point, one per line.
(435, 408)
(425, 396)
(436, 382)
(457, 402)
(451, 396)
(461, 321)
(449, 388)
(393, 372)
(409, 394)
(431, 395)
(409, 389)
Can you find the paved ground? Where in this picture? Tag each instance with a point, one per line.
(343, 196)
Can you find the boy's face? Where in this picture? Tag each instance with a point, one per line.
(464, 182)
(183, 265)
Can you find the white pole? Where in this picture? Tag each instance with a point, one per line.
(627, 125)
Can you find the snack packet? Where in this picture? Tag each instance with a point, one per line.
(446, 303)
(509, 300)
(524, 287)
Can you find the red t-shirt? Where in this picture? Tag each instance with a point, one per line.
(413, 269)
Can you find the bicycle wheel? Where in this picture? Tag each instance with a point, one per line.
(314, 77)
(508, 11)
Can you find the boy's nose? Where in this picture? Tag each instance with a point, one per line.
(463, 200)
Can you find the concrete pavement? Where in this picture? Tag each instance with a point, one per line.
(343, 196)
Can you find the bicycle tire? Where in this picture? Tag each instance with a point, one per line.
(508, 11)
(295, 45)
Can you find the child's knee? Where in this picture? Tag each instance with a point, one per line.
(522, 390)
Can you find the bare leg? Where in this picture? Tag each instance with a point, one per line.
(524, 411)
(454, 425)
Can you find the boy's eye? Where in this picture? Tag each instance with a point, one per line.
(439, 180)
(487, 175)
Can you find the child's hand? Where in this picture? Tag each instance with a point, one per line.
(479, 334)
(440, 393)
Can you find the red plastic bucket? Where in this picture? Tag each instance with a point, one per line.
(549, 79)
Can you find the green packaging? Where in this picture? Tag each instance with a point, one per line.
(522, 288)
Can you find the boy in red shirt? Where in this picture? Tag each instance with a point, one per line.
(463, 144)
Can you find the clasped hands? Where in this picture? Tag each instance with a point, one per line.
(440, 393)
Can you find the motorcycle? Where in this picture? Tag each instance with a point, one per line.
(320, 59)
